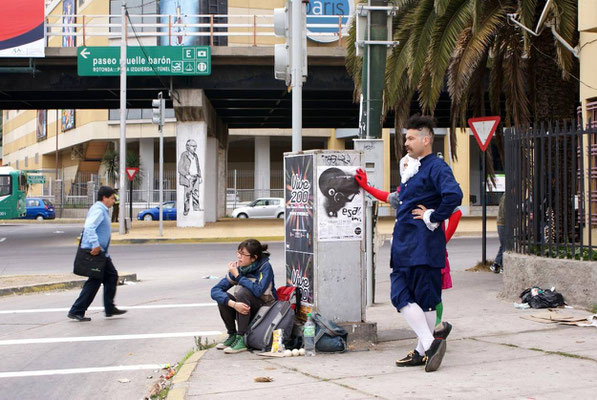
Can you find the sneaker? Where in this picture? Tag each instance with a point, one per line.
(495, 268)
(412, 359)
(236, 347)
(442, 330)
(435, 355)
(227, 343)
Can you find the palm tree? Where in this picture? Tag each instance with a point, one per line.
(462, 44)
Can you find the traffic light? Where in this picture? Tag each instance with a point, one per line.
(283, 52)
(159, 110)
(283, 27)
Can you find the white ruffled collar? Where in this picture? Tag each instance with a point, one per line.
(408, 167)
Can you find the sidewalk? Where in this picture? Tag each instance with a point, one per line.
(492, 354)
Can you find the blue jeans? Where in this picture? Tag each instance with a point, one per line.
(499, 258)
(91, 287)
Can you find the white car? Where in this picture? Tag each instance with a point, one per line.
(265, 207)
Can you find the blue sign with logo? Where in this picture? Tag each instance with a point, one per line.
(327, 12)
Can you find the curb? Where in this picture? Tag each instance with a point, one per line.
(45, 287)
(180, 382)
(196, 240)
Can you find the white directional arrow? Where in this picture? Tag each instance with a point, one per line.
(85, 53)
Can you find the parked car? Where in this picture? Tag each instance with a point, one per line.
(39, 209)
(154, 213)
(266, 207)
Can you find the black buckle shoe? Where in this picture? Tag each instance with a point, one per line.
(442, 330)
(79, 318)
(115, 311)
(435, 355)
(412, 359)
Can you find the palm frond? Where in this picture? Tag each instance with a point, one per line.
(565, 15)
(445, 33)
(471, 47)
(423, 19)
(517, 103)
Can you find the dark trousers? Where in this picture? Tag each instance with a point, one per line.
(499, 258)
(91, 287)
(230, 316)
(115, 211)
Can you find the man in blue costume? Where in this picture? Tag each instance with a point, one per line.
(419, 245)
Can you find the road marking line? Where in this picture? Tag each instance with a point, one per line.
(2, 239)
(146, 307)
(107, 338)
(20, 374)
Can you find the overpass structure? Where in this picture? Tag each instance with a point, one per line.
(241, 87)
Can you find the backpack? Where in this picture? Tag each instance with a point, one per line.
(278, 315)
(291, 294)
(329, 336)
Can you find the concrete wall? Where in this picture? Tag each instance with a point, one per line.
(575, 280)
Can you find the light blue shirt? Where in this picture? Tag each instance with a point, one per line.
(97, 228)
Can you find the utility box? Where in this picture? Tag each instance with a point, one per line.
(372, 156)
(324, 232)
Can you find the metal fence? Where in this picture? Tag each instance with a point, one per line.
(248, 29)
(551, 189)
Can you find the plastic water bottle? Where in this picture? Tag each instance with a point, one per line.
(309, 336)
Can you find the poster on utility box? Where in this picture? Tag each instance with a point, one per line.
(298, 198)
(339, 205)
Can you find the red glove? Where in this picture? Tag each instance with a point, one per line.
(361, 178)
(453, 224)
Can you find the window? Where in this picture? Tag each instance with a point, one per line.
(26, 161)
(259, 203)
(5, 185)
(168, 206)
(32, 203)
(47, 203)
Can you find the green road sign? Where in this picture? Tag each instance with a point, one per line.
(33, 179)
(144, 61)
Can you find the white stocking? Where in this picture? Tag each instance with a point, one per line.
(415, 317)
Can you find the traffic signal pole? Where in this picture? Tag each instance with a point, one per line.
(158, 116)
(122, 155)
(297, 75)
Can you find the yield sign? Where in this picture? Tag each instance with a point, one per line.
(483, 129)
(131, 172)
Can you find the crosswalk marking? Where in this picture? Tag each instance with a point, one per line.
(107, 338)
(145, 307)
(21, 374)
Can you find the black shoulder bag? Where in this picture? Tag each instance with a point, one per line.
(89, 265)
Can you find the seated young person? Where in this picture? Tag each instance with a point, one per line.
(252, 278)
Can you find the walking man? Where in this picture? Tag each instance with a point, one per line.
(190, 176)
(419, 245)
(96, 237)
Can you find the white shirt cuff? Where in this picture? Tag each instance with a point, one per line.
(426, 218)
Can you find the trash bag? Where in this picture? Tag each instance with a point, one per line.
(539, 298)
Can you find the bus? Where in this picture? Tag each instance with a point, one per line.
(13, 190)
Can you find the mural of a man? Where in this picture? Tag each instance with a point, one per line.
(190, 176)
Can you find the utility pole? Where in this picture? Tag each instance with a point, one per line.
(123, 40)
(159, 110)
(374, 37)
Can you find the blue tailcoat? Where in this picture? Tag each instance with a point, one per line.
(434, 187)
